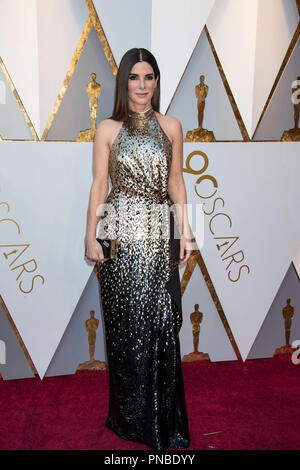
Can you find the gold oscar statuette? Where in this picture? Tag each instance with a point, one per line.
(293, 135)
(91, 326)
(287, 313)
(199, 134)
(196, 318)
(93, 90)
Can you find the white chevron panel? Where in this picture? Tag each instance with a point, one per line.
(252, 225)
(251, 38)
(19, 52)
(37, 43)
(60, 25)
(126, 24)
(276, 24)
(176, 27)
(232, 27)
(44, 193)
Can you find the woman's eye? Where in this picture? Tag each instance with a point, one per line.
(134, 77)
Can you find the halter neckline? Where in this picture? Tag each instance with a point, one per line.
(141, 114)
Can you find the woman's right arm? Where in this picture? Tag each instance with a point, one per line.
(99, 190)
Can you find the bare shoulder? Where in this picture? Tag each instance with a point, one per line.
(107, 125)
(171, 125)
(171, 121)
(108, 128)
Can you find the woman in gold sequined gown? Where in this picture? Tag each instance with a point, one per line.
(140, 289)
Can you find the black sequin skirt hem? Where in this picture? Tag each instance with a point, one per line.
(174, 443)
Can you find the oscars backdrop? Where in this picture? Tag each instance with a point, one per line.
(230, 73)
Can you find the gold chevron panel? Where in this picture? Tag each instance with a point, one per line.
(102, 37)
(70, 71)
(19, 101)
(196, 258)
(29, 360)
(280, 72)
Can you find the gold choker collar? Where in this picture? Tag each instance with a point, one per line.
(140, 114)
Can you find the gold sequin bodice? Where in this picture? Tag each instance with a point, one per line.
(140, 157)
(139, 164)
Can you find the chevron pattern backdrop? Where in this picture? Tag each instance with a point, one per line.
(242, 187)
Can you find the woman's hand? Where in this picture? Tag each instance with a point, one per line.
(94, 252)
(186, 248)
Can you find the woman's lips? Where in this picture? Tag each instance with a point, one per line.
(142, 94)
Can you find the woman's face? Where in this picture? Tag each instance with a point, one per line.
(141, 85)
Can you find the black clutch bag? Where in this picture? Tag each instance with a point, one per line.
(109, 247)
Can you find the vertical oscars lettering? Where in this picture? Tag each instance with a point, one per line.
(14, 252)
(224, 243)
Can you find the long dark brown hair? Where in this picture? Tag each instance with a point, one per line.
(129, 59)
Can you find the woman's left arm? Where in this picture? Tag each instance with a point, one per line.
(177, 190)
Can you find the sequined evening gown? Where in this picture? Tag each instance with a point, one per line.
(140, 291)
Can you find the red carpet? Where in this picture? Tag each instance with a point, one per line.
(231, 405)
